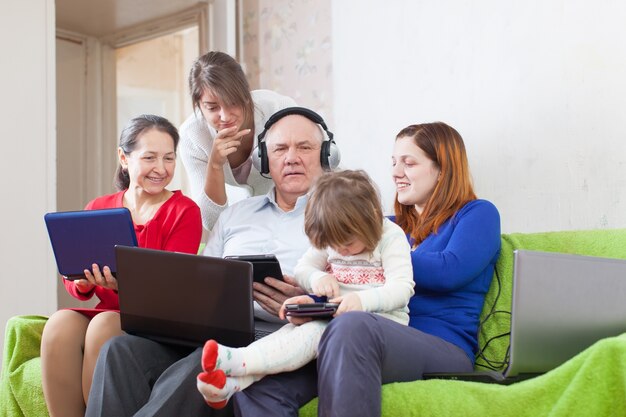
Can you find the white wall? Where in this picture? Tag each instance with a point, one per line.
(537, 89)
(27, 117)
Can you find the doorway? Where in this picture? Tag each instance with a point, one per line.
(102, 82)
(151, 78)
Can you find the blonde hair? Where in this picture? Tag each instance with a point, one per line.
(342, 206)
(444, 146)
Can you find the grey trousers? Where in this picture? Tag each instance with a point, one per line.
(138, 377)
(357, 354)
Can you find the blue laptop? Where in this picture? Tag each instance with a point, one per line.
(82, 238)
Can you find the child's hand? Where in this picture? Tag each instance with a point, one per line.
(326, 285)
(348, 302)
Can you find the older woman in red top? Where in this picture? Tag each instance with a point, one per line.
(163, 219)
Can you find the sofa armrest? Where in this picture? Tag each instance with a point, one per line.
(20, 383)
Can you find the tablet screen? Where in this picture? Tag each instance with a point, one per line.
(265, 265)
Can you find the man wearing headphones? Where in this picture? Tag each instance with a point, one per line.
(135, 376)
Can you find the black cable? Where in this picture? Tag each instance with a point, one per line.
(480, 354)
(494, 365)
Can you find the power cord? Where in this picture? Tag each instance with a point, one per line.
(493, 364)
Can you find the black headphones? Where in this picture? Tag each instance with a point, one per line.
(329, 153)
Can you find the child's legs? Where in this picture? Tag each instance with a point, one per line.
(229, 370)
(62, 345)
(101, 328)
(288, 349)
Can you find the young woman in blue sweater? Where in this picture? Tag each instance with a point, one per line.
(455, 240)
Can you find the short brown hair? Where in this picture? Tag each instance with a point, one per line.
(444, 146)
(342, 206)
(223, 76)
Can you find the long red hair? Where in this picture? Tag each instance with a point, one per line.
(444, 146)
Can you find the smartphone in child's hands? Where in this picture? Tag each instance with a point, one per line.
(317, 310)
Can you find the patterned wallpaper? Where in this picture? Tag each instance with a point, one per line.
(287, 48)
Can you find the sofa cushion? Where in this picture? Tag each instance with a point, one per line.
(593, 383)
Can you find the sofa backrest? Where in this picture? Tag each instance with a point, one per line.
(493, 337)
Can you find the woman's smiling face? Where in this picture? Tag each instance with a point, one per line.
(152, 163)
(414, 174)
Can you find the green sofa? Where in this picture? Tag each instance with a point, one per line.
(593, 383)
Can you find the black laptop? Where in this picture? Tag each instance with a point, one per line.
(561, 304)
(184, 299)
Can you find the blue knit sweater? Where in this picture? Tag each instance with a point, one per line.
(452, 270)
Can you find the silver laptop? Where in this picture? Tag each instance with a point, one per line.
(184, 299)
(561, 304)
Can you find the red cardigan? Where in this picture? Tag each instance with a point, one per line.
(176, 227)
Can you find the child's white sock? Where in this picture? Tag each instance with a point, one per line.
(216, 356)
(217, 389)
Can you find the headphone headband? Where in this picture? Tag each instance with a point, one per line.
(302, 111)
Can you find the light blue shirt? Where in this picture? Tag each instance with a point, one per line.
(256, 226)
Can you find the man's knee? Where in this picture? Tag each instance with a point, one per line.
(118, 346)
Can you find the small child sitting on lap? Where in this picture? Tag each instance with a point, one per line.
(359, 260)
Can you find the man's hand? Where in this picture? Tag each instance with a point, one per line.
(300, 299)
(274, 292)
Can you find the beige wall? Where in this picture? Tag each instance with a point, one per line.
(27, 117)
(287, 48)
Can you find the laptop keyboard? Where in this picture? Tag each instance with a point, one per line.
(258, 334)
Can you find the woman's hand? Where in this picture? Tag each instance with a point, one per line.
(274, 292)
(225, 143)
(300, 299)
(83, 285)
(102, 279)
(326, 285)
(348, 302)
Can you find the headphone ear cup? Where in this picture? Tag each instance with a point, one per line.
(256, 161)
(259, 158)
(330, 155)
(324, 154)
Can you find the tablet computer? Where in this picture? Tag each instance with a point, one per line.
(317, 310)
(263, 266)
(82, 238)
